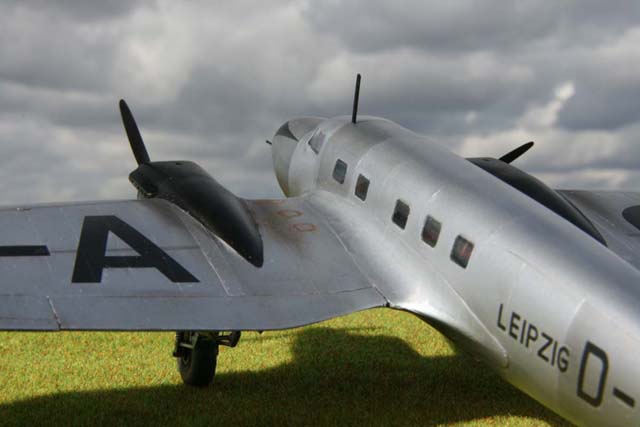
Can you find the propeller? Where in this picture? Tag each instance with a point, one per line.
(514, 154)
(192, 189)
(135, 139)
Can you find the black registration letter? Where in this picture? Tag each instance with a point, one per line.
(590, 349)
(91, 256)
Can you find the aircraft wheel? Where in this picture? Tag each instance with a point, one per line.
(197, 366)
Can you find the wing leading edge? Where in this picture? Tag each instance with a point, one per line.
(616, 214)
(147, 265)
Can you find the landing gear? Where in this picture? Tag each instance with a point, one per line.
(197, 354)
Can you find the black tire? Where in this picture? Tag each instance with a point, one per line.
(198, 366)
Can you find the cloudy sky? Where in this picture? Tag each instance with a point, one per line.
(210, 80)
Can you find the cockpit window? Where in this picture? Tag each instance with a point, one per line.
(316, 142)
(340, 171)
(286, 132)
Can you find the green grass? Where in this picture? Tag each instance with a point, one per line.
(379, 367)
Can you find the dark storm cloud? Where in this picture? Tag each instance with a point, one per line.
(452, 27)
(79, 10)
(41, 47)
(596, 107)
(556, 41)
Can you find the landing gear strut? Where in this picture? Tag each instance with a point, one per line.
(197, 354)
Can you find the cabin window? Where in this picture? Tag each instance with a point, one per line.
(362, 187)
(400, 214)
(340, 171)
(431, 231)
(461, 252)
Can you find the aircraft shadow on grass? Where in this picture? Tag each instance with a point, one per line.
(335, 377)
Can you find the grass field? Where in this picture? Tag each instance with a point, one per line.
(379, 367)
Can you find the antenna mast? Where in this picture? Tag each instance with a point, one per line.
(356, 96)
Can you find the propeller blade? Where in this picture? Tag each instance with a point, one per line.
(514, 154)
(135, 139)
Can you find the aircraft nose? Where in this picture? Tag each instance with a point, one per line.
(284, 145)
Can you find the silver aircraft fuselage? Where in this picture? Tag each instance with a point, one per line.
(550, 308)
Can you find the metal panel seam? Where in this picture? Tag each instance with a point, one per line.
(53, 311)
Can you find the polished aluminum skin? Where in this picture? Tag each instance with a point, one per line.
(554, 311)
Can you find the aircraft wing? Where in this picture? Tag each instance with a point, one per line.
(148, 265)
(616, 215)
